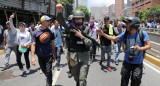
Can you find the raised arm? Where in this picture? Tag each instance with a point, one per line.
(11, 23)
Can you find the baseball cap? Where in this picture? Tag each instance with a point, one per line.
(45, 17)
(22, 23)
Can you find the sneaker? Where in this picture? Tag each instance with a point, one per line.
(91, 61)
(116, 63)
(4, 68)
(21, 73)
(40, 71)
(57, 65)
(100, 62)
(28, 71)
(69, 75)
(109, 69)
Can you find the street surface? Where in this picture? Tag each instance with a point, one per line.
(97, 76)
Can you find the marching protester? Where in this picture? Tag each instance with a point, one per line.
(136, 42)
(1, 30)
(78, 46)
(70, 22)
(10, 41)
(24, 41)
(106, 43)
(59, 41)
(117, 44)
(43, 46)
(95, 36)
(38, 25)
(32, 28)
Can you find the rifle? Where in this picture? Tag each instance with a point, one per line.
(61, 20)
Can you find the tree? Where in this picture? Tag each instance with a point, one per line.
(154, 11)
(143, 14)
(122, 17)
(86, 12)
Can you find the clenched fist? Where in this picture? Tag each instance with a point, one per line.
(59, 7)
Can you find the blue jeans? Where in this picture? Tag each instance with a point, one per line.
(117, 48)
(58, 54)
(106, 49)
(8, 53)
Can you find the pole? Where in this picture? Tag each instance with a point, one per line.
(6, 15)
(49, 7)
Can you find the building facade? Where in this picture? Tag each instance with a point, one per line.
(119, 6)
(129, 3)
(99, 12)
(142, 4)
(111, 11)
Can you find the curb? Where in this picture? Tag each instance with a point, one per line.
(2, 51)
(153, 60)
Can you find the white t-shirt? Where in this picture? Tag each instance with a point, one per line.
(94, 33)
(1, 28)
(24, 38)
(37, 26)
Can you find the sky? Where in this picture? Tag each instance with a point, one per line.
(100, 3)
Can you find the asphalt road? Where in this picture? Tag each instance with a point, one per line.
(97, 76)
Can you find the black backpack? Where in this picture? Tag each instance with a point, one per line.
(141, 36)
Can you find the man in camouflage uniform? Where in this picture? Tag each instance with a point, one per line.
(78, 46)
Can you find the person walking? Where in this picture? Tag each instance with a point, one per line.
(43, 46)
(10, 41)
(136, 42)
(78, 46)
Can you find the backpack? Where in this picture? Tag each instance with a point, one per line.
(141, 36)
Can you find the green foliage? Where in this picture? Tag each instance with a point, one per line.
(143, 14)
(68, 6)
(154, 12)
(85, 10)
(122, 17)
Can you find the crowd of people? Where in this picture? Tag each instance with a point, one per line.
(46, 40)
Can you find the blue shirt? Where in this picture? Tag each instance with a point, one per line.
(58, 38)
(138, 55)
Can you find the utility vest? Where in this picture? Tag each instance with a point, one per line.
(75, 43)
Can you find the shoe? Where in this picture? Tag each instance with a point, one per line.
(77, 83)
(91, 61)
(21, 73)
(57, 65)
(4, 68)
(40, 71)
(109, 69)
(28, 71)
(116, 63)
(69, 75)
(100, 62)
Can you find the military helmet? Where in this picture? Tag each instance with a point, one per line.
(78, 14)
(70, 17)
(134, 22)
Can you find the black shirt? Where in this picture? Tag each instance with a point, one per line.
(103, 40)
